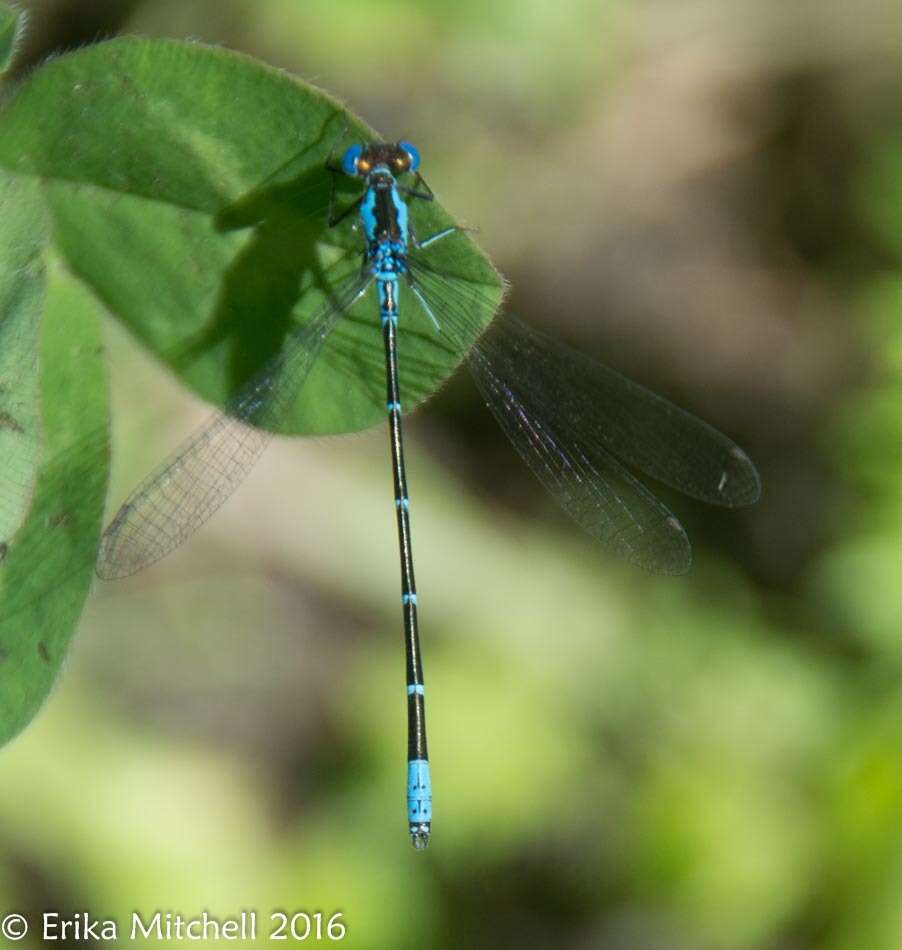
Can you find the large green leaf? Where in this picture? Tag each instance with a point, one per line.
(47, 567)
(22, 238)
(188, 188)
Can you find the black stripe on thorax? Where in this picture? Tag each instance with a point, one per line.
(385, 212)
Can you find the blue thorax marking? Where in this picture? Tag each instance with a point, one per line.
(401, 211)
(368, 215)
(383, 214)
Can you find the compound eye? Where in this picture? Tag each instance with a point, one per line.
(412, 153)
(349, 161)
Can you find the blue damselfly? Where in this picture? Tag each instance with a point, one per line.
(576, 423)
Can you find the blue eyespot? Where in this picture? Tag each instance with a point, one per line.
(413, 153)
(349, 159)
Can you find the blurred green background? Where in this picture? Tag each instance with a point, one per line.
(706, 194)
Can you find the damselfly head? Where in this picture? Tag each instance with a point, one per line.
(359, 161)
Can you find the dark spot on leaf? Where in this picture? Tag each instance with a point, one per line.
(43, 652)
(4, 654)
(60, 519)
(7, 422)
(4, 550)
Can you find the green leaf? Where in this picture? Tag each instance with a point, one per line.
(12, 28)
(47, 568)
(22, 238)
(188, 188)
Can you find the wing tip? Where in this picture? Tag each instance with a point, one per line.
(740, 483)
(670, 554)
(118, 557)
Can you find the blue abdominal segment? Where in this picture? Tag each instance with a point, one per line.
(419, 802)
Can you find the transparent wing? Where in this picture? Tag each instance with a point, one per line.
(177, 498)
(612, 412)
(593, 488)
(573, 421)
(642, 428)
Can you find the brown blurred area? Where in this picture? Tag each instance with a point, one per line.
(59, 25)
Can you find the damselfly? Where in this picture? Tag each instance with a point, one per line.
(574, 422)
